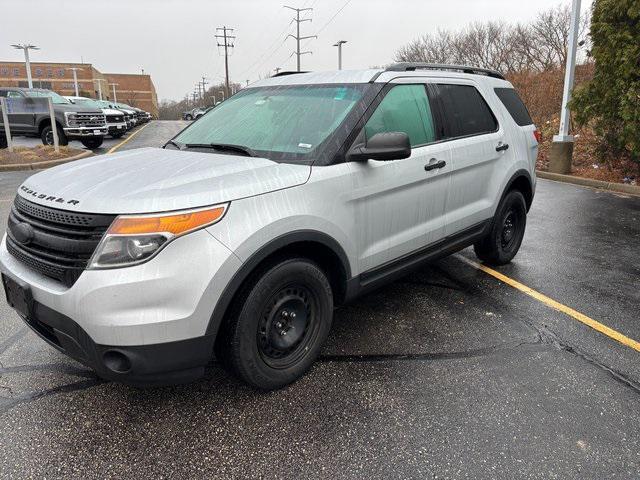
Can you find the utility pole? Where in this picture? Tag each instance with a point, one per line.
(562, 146)
(297, 36)
(114, 85)
(26, 47)
(75, 78)
(204, 86)
(247, 82)
(227, 43)
(339, 44)
(277, 70)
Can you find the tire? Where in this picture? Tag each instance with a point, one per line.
(291, 296)
(47, 136)
(92, 142)
(507, 231)
(117, 135)
(188, 117)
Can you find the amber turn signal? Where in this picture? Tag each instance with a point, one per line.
(176, 224)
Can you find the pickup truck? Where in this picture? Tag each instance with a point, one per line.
(116, 122)
(75, 122)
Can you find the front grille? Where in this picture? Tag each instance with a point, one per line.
(115, 119)
(88, 120)
(61, 242)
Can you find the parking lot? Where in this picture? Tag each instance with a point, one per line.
(451, 372)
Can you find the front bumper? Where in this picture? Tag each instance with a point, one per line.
(117, 127)
(85, 131)
(155, 314)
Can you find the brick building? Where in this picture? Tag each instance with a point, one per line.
(133, 89)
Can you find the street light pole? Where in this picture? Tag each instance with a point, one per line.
(75, 78)
(26, 47)
(339, 45)
(562, 147)
(115, 98)
(100, 80)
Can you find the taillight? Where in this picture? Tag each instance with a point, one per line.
(538, 134)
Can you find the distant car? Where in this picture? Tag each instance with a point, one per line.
(193, 114)
(75, 122)
(116, 123)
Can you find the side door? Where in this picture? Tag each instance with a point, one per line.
(19, 121)
(399, 204)
(477, 143)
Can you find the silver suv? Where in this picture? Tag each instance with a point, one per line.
(240, 237)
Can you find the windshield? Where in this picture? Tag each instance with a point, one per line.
(283, 122)
(55, 98)
(87, 102)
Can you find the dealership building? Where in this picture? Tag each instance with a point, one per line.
(133, 89)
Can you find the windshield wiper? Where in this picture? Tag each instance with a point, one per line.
(171, 142)
(224, 147)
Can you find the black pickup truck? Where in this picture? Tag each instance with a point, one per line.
(74, 122)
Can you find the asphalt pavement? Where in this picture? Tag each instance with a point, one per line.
(447, 373)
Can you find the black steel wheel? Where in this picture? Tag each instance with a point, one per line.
(278, 324)
(47, 136)
(507, 231)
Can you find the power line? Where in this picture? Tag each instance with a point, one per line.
(332, 18)
(297, 36)
(227, 43)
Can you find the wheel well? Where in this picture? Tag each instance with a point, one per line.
(317, 252)
(523, 185)
(45, 123)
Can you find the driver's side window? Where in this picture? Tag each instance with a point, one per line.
(406, 109)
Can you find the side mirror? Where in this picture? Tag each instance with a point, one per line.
(382, 146)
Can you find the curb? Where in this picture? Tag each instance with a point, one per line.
(46, 164)
(588, 182)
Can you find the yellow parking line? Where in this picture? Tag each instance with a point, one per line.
(115, 147)
(582, 318)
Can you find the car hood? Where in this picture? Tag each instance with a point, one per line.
(71, 107)
(149, 180)
(111, 111)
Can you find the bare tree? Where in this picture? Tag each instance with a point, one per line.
(538, 46)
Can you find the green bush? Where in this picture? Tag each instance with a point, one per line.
(612, 99)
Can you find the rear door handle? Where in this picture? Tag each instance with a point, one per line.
(433, 166)
(502, 147)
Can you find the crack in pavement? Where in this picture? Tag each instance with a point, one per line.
(8, 404)
(13, 339)
(478, 352)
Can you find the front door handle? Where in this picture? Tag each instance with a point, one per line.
(433, 166)
(502, 147)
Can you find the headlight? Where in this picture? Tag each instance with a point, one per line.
(69, 117)
(134, 239)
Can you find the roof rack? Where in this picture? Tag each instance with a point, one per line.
(282, 74)
(411, 67)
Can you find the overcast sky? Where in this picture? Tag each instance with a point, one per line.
(173, 40)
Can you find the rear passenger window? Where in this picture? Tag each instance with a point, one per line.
(465, 111)
(511, 100)
(406, 109)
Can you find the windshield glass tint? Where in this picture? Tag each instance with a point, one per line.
(87, 102)
(284, 122)
(55, 98)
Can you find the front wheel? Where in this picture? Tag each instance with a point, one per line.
(117, 135)
(47, 136)
(278, 324)
(507, 231)
(92, 142)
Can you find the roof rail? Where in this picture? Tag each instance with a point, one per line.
(411, 67)
(282, 74)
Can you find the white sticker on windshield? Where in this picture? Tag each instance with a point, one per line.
(305, 145)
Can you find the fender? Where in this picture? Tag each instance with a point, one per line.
(522, 173)
(265, 251)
